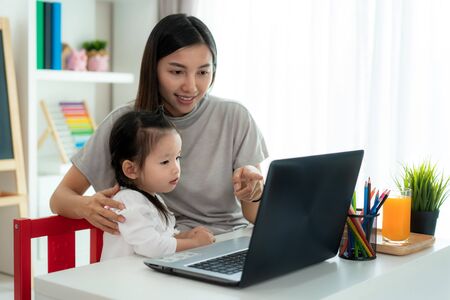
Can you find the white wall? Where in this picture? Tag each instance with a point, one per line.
(133, 21)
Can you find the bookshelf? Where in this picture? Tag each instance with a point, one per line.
(45, 169)
(101, 90)
(111, 20)
(82, 20)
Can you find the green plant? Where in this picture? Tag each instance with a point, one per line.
(96, 45)
(429, 189)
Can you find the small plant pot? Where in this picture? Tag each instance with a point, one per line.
(424, 221)
(98, 61)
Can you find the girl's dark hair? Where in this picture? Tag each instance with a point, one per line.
(170, 34)
(132, 138)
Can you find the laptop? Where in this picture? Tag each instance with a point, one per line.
(300, 222)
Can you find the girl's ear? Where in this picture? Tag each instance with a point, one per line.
(130, 169)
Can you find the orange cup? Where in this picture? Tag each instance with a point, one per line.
(397, 217)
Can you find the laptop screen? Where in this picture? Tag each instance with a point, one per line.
(302, 213)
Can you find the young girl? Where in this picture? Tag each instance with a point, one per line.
(145, 153)
(222, 145)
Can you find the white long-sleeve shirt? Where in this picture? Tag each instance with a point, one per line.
(144, 231)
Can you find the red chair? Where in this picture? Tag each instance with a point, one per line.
(60, 232)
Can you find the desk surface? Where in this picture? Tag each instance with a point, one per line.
(415, 276)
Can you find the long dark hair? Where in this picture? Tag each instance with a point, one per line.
(133, 137)
(170, 34)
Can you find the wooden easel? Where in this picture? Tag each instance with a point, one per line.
(11, 160)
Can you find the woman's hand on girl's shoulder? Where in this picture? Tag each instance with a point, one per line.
(97, 210)
(248, 183)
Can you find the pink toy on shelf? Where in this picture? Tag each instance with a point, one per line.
(77, 60)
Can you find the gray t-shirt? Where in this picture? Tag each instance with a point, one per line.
(218, 137)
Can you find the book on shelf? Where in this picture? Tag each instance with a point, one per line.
(40, 35)
(56, 36)
(48, 35)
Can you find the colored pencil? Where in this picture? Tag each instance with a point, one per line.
(354, 200)
(369, 190)
(359, 229)
(358, 235)
(382, 202)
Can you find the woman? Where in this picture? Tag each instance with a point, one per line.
(222, 146)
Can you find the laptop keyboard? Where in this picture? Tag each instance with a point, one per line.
(228, 264)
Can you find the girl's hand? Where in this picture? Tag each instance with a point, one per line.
(203, 237)
(96, 210)
(248, 183)
(196, 237)
(191, 233)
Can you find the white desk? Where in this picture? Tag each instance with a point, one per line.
(423, 275)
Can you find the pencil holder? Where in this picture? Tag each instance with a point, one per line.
(359, 240)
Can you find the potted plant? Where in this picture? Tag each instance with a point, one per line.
(429, 191)
(98, 58)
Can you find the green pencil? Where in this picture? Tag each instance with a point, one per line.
(354, 201)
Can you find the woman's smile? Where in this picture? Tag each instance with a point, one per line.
(187, 100)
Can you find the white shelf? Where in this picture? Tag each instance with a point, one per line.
(84, 76)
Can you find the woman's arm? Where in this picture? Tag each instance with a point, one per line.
(248, 186)
(68, 201)
(250, 210)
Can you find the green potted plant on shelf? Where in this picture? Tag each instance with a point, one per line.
(98, 58)
(429, 192)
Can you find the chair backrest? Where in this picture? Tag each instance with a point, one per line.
(60, 232)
